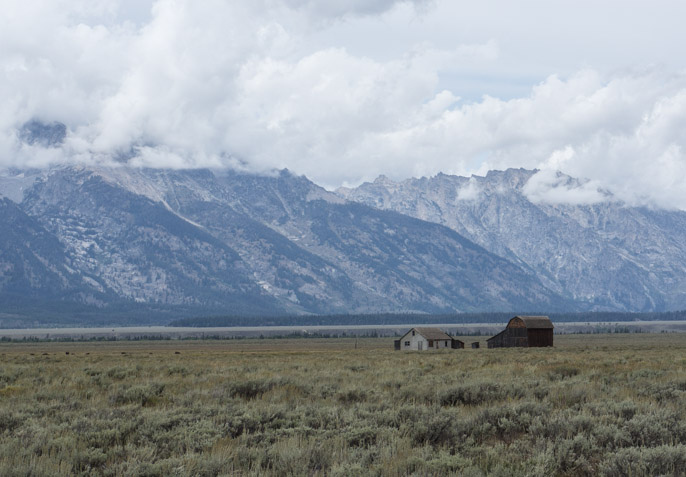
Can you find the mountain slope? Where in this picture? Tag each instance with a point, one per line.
(354, 255)
(32, 260)
(606, 253)
(237, 243)
(138, 248)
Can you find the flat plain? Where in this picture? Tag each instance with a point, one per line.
(612, 404)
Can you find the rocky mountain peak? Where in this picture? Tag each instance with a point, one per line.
(565, 229)
(249, 244)
(272, 244)
(43, 134)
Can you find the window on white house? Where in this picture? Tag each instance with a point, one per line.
(407, 343)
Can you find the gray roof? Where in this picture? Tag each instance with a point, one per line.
(536, 321)
(433, 334)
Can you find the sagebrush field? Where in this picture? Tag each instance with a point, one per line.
(593, 405)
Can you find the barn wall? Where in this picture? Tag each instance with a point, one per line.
(540, 337)
(515, 337)
(496, 341)
(516, 323)
(509, 338)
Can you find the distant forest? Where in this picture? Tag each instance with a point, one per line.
(62, 314)
(415, 318)
(16, 313)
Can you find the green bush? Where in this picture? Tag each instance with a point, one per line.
(233, 409)
(142, 395)
(478, 394)
(254, 388)
(660, 460)
(562, 372)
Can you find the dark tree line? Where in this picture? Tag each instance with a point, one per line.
(415, 318)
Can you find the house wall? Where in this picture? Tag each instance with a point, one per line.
(441, 344)
(415, 340)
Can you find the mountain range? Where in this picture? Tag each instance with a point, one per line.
(600, 253)
(130, 245)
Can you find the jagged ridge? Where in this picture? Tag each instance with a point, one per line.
(251, 244)
(599, 251)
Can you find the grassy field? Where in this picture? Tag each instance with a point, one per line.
(593, 405)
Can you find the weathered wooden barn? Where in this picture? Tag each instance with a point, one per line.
(427, 339)
(524, 331)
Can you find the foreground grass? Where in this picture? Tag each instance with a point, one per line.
(600, 404)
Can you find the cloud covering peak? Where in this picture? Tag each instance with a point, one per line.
(302, 84)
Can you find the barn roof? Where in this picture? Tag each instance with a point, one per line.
(536, 321)
(433, 334)
(496, 335)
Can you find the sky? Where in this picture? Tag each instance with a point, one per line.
(344, 91)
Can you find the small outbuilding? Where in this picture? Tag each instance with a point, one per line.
(524, 331)
(422, 339)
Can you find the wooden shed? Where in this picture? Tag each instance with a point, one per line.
(524, 331)
(422, 339)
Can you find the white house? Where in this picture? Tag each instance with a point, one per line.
(427, 339)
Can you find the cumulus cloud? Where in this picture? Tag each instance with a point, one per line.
(176, 83)
(622, 132)
(339, 8)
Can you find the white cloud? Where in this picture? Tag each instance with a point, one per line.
(551, 187)
(341, 8)
(471, 191)
(345, 91)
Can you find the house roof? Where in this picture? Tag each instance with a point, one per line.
(433, 334)
(536, 321)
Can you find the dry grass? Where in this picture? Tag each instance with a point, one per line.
(594, 404)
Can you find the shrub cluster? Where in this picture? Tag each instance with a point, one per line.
(570, 411)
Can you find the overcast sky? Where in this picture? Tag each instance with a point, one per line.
(343, 91)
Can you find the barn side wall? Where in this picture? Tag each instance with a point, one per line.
(515, 338)
(456, 344)
(497, 341)
(510, 338)
(540, 337)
